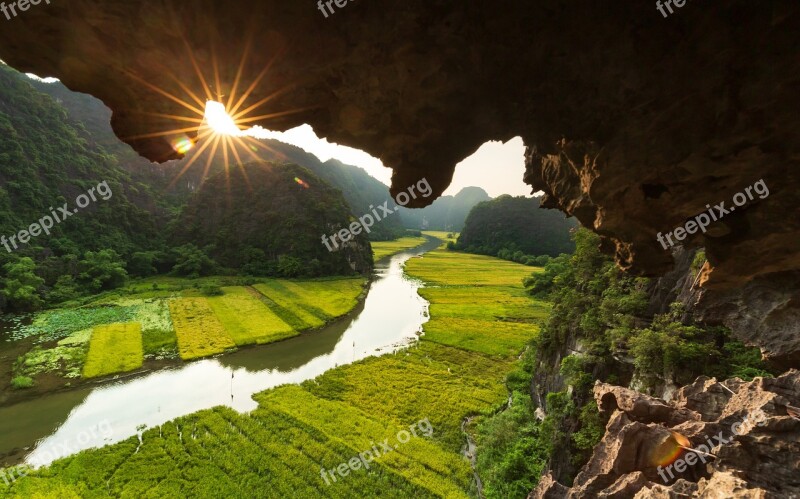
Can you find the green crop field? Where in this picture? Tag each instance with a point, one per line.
(478, 302)
(297, 311)
(463, 269)
(382, 249)
(246, 319)
(178, 320)
(200, 332)
(438, 234)
(115, 348)
(324, 300)
(280, 449)
(488, 319)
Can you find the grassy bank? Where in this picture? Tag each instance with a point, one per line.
(279, 450)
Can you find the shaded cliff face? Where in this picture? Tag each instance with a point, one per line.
(748, 436)
(634, 121)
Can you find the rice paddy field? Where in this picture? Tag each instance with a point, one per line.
(246, 319)
(280, 449)
(170, 318)
(383, 249)
(114, 348)
(471, 295)
(200, 332)
(450, 268)
(447, 237)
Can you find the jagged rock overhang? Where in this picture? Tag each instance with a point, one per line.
(635, 121)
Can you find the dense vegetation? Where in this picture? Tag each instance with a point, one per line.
(258, 220)
(447, 213)
(47, 161)
(603, 310)
(514, 228)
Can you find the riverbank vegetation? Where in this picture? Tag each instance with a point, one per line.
(599, 311)
(279, 449)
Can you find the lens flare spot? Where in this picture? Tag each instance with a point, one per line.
(669, 450)
(302, 182)
(183, 145)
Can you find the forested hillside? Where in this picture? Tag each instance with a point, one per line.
(359, 188)
(56, 146)
(259, 220)
(514, 227)
(48, 160)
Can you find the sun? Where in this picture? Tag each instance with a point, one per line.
(219, 120)
(210, 122)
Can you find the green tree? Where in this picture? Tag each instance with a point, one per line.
(290, 266)
(102, 271)
(65, 289)
(142, 264)
(22, 287)
(192, 262)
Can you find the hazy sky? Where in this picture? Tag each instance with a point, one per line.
(496, 167)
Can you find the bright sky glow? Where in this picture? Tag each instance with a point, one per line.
(37, 78)
(496, 167)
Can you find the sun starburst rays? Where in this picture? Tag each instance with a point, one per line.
(213, 122)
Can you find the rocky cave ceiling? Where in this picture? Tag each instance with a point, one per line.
(634, 122)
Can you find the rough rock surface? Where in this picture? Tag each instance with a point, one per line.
(747, 427)
(634, 122)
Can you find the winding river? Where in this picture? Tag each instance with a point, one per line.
(60, 424)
